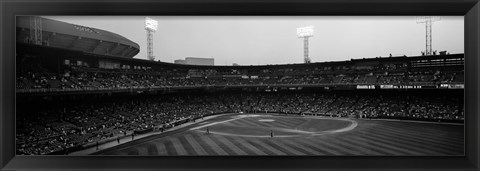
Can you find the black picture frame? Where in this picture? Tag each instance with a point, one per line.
(10, 8)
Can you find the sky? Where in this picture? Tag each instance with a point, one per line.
(262, 40)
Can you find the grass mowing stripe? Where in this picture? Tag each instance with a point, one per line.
(453, 136)
(433, 135)
(347, 146)
(247, 145)
(195, 145)
(142, 150)
(215, 138)
(364, 148)
(305, 149)
(334, 146)
(161, 148)
(178, 146)
(152, 149)
(384, 146)
(268, 148)
(282, 146)
(170, 148)
(419, 141)
(213, 145)
(204, 145)
(231, 146)
(409, 143)
(188, 147)
(309, 143)
(435, 140)
(427, 128)
(415, 134)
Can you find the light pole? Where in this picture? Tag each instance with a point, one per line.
(428, 20)
(305, 33)
(151, 27)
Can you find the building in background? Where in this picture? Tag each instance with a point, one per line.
(179, 61)
(196, 61)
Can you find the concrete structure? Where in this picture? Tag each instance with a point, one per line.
(196, 61)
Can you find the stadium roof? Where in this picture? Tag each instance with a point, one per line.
(79, 38)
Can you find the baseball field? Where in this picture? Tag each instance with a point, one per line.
(275, 134)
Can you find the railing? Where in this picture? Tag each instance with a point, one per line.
(138, 88)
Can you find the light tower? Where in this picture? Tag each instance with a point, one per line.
(428, 20)
(36, 30)
(305, 33)
(151, 27)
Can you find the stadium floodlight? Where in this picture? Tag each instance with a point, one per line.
(151, 26)
(305, 33)
(428, 20)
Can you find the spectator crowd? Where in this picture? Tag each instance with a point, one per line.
(37, 77)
